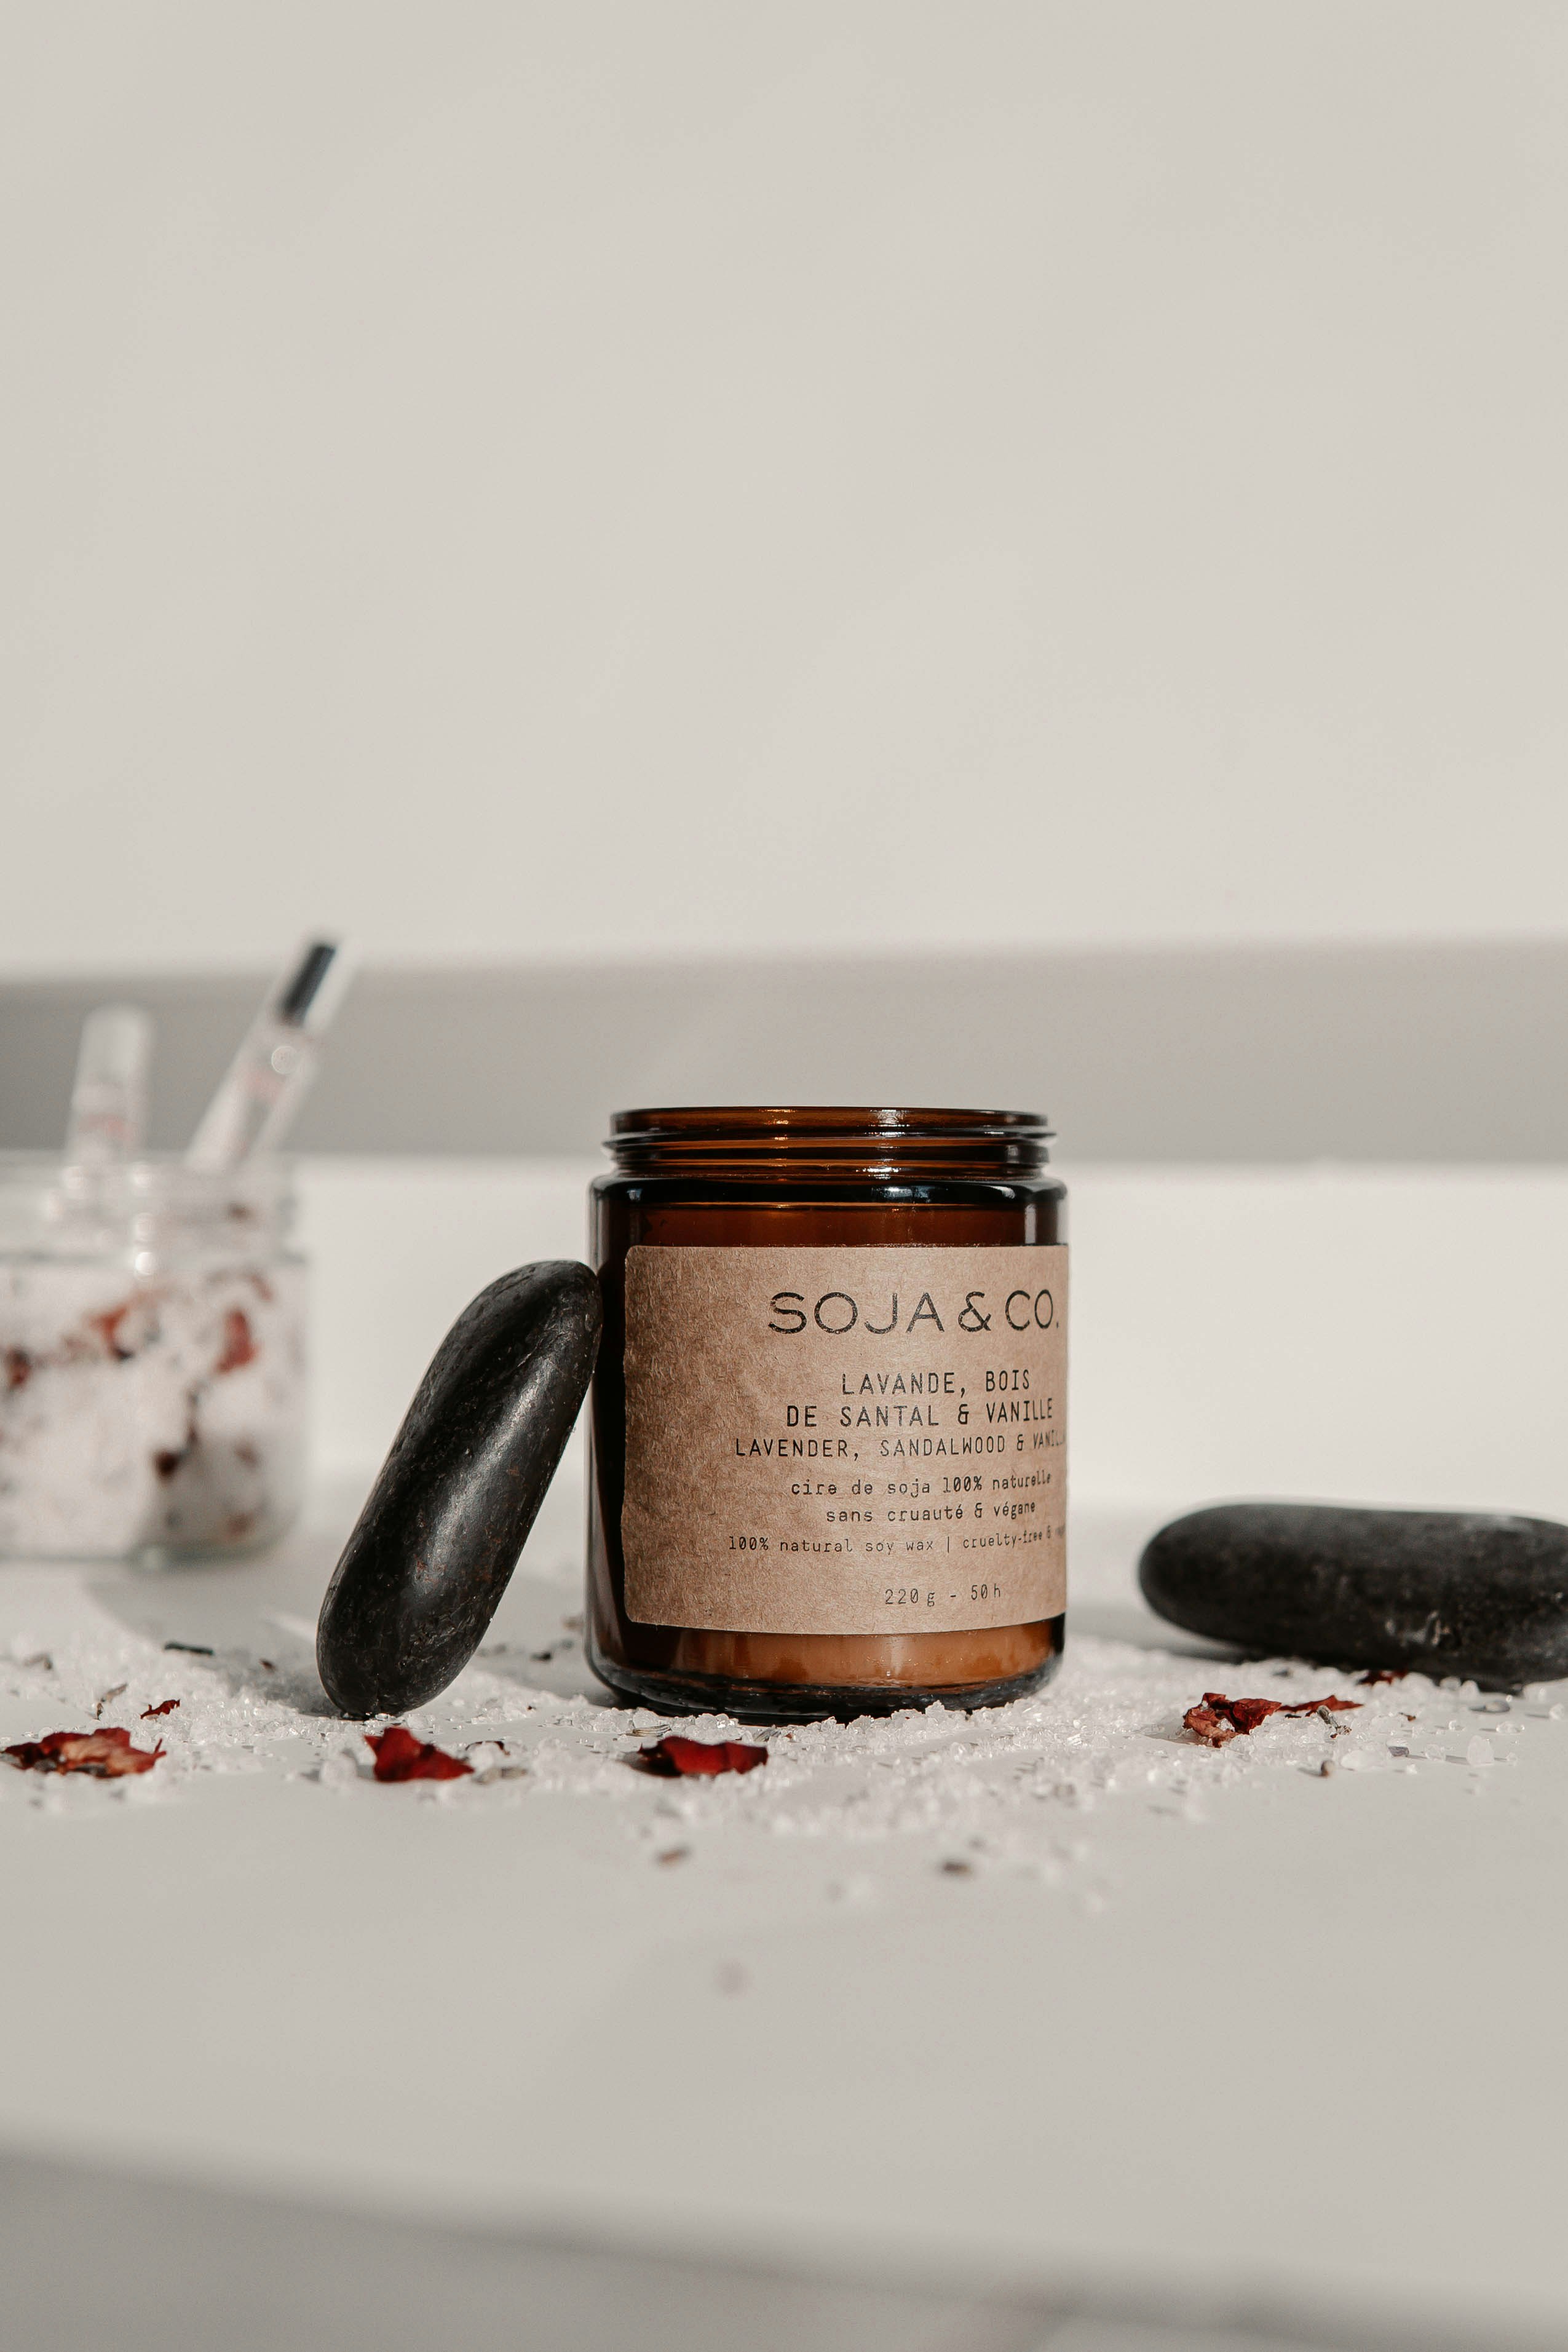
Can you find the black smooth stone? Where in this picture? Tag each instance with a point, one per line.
(437, 1542)
(1445, 1593)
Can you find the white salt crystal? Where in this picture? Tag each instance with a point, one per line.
(1479, 1751)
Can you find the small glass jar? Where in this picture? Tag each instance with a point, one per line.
(828, 1426)
(152, 1358)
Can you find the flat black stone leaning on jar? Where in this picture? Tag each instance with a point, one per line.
(436, 1544)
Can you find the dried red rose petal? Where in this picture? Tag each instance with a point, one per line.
(1247, 1714)
(1382, 1674)
(399, 1755)
(1205, 1724)
(106, 1755)
(674, 1756)
(1220, 1718)
(239, 1341)
(165, 1706)
(108, 1325)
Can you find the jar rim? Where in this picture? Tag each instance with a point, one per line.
(872, 1137)
(748, 1120)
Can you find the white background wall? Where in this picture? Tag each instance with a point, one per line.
(529, 479)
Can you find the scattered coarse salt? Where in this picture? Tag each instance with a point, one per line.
(1108, 1732)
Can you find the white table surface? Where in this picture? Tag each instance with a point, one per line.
(1206, 2025)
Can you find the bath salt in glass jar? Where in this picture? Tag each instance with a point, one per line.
(828, 1421)
(152, 1358)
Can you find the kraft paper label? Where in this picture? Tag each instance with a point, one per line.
(846, 1441)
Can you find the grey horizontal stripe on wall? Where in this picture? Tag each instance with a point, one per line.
(1421, 1053)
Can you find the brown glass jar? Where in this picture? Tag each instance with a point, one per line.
(828, 1426)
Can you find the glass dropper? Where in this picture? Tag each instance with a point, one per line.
(268, 1077)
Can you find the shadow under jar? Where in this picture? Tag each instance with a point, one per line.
(828, 1422)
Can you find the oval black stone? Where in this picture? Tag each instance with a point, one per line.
(439, 1536)
(1445, 1592)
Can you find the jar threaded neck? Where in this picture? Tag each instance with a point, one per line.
(768, 1139)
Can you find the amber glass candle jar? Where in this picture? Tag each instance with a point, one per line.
(828, 1422)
